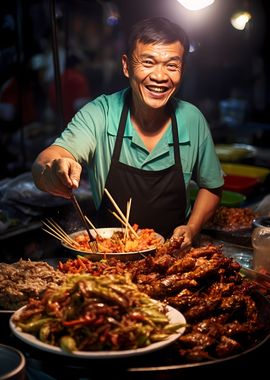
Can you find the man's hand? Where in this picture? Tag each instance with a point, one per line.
(206, 203)
(60, 176)
(186, 232)
(57, 172)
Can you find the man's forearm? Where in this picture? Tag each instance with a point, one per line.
(204, 207)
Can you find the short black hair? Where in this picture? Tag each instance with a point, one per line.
(155, 30)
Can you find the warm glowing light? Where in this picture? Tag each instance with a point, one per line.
(195, 5)
(240, 19)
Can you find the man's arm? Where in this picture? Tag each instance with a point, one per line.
(205, 205)
(56, 171)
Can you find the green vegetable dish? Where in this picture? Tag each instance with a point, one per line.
(89, 313)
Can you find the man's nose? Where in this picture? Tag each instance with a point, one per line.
(159, 73)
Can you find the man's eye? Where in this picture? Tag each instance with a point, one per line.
(173, 66)
(147, 62)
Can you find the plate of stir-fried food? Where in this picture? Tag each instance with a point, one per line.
(115, 242)
(97, 317)
(128, 242)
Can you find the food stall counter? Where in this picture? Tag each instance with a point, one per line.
(159, 364)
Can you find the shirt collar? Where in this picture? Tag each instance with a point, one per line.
(129, 132)
(183, 132)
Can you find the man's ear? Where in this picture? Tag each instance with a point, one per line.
(125, 65)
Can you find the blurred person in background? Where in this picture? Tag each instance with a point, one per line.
(75, 88)
(22, 104)
(141, 143)
(19, 98)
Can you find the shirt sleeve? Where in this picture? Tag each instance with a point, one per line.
(80, 135)
(207, 171)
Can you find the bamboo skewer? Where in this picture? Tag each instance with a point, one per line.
(91, 224)
(57, 236)
(124, 223)
(117, 217)
(122, 217)
(56, 231)
(127, 216)
(53, 226)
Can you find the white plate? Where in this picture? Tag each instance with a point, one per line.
(7, 312)
(107, 233)
(174, 317)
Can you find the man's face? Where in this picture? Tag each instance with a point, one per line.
(154, 72)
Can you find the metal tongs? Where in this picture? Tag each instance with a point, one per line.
(83, 220)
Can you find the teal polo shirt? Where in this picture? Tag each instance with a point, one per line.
(90, 138)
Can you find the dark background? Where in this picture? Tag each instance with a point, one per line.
(226, 76)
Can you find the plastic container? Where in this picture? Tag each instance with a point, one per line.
(229, 198)
(243, 258)
(257, 172)
(234, 152)
(261, 246)
(241, 184)
(232, 199)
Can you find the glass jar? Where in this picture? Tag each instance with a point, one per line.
(261, 249)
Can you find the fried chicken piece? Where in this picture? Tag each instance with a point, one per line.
(168, 285)
(202, 309)
(195, 354)
(174, 283)
(224, 289)
(208, 250)
(236, 329)
(207, 326)
(251, 310)
(227, 347)
(209, 268)
(160, 264)
(196, 339)
(186, 264)
(183, 302)
(172, 247)
(233, 303)
(147, 278)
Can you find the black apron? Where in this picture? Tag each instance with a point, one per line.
(158, 197)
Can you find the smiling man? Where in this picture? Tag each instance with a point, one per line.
(141, 143)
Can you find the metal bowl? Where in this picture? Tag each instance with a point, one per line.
(107, 233)
(263, 221)
(12, 363)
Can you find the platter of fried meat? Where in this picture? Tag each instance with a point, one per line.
(224, 314)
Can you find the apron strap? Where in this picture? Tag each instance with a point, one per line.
(122, 125)
(175, 139)
(121, 128)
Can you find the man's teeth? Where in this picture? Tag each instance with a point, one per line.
(157, 89)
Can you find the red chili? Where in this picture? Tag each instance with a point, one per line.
(137, 317)
(80, 321)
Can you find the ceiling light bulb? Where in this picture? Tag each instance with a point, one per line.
(195, 5)
(240, 19)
